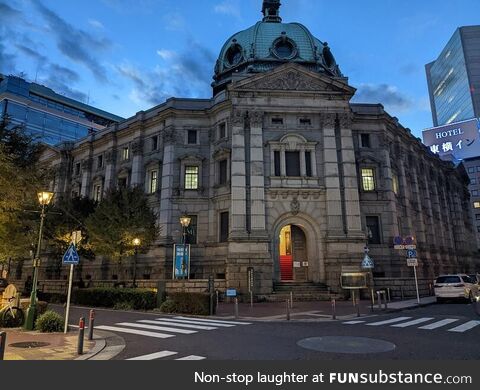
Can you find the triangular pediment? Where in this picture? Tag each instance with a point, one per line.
(294, 77)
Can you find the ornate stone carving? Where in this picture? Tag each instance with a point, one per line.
(137, 147)
(290, 81)
(295, 206)
(238, 118)
(86, 164)
(111, 156)
(346, 120)
(169, 136)
(256, 118)
(328, 120)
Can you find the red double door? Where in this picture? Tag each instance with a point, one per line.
(298, 256)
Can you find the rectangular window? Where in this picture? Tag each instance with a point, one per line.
(478, 169)
(222, 172)
(191, 178)
(97, 193)
(192, 137)
(477, 217)
(373, 229)
(475, 193)
(365, 139)
(308, 164)
(277, 121)
(122, 182)
(222, 131)
(476, 205)
(292, 160)
(305, 121)
(395, 184)
(368, 179)
(276, 156)
(154, 143)
(224, 228)
(478, 229)
(191, 237)
(100, 162)
(473, 181)
(125, 153)
(153, 182)
(471, 170)
(77, 168)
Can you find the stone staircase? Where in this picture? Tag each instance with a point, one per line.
(302, 291)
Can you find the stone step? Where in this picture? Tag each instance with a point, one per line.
(300, 297)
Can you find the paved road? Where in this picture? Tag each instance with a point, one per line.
(446, 331)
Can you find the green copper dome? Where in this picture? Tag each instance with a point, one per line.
(271, 43)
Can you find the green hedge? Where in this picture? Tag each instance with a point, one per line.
(137, 299)
(187, 303)
(49, 322)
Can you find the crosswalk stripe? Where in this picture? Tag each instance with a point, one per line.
(439, 324)
(178, 325)
(353, 322)
(160, 328)
(467, 326)
(156, 355)
(135, 331)
(413, 322)
(214, 321)
(197, 322)
(391, 321)
(192, 357)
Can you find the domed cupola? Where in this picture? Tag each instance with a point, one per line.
(269, 44)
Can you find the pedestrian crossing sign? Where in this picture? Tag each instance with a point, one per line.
(71, 256)
(367, 262)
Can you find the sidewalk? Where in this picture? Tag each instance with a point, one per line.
(313, 311)
(59, 346)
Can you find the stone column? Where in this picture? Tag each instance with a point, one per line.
(405, 195)
(86, 177)
(168, 172)
(110, 160)
(137, 163)
(257, 176)
(420, 224)
(239, 197)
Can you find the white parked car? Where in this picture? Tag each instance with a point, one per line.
(456, 286)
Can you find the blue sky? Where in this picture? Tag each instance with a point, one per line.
(127, 55)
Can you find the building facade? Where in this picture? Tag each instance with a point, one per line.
(279, 171)
(454, 78)
(47, 116)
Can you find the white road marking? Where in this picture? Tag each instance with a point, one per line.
(153, 356)
(413, 322)
(214, 321)
(171, 323)
(467, 326)
(391, 321)
(135, 331)
(160, 328)
(196, 322)
(353, 322)
(438, 324)
(192, 357)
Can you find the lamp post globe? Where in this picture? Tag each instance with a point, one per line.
(44, 199)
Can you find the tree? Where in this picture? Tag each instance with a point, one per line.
(122, 216)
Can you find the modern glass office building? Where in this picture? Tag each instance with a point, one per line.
(454, 78)
(49, 117)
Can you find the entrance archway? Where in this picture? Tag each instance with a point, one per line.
(293, 254)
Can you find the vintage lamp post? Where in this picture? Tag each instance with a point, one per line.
(136, 244)
(185, 222)
(44, 198)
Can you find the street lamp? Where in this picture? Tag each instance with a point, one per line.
(136, 243)
(44, 198)
(185, 222)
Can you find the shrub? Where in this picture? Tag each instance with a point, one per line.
(123, 306)
(187, 303)
(109, 297)
(50, 322)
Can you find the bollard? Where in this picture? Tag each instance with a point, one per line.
(236, 308)
(385, 302)
(372, 303)
(251, 298)
(358, 311)
(217, 297)
(334, 310)
(288, 310)
(3, 343)
(401, 292)
(379, 299)
(388, 292)
(291, 299)
(81, 333)
(91, 321)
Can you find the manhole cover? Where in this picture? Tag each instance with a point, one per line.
(29, 344)
(352, 345)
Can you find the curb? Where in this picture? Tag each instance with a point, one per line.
(396, 310)
(107, 346)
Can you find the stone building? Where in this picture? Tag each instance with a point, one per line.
(280, 172)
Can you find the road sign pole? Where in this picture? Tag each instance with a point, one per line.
(69, 294)
(416, 284)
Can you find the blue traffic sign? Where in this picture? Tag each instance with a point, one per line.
(71, 256)
(367, 262)
(411, 254)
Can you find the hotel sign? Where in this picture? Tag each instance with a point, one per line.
(462, 139)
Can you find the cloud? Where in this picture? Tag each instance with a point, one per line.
(76, 44)
(96, 23)
(180, 75)
(60, 79)
(174, 22)
(28, 51)
(408, 69)
(9, 14)
(228, 7)
(7, 60)
(388, 95)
